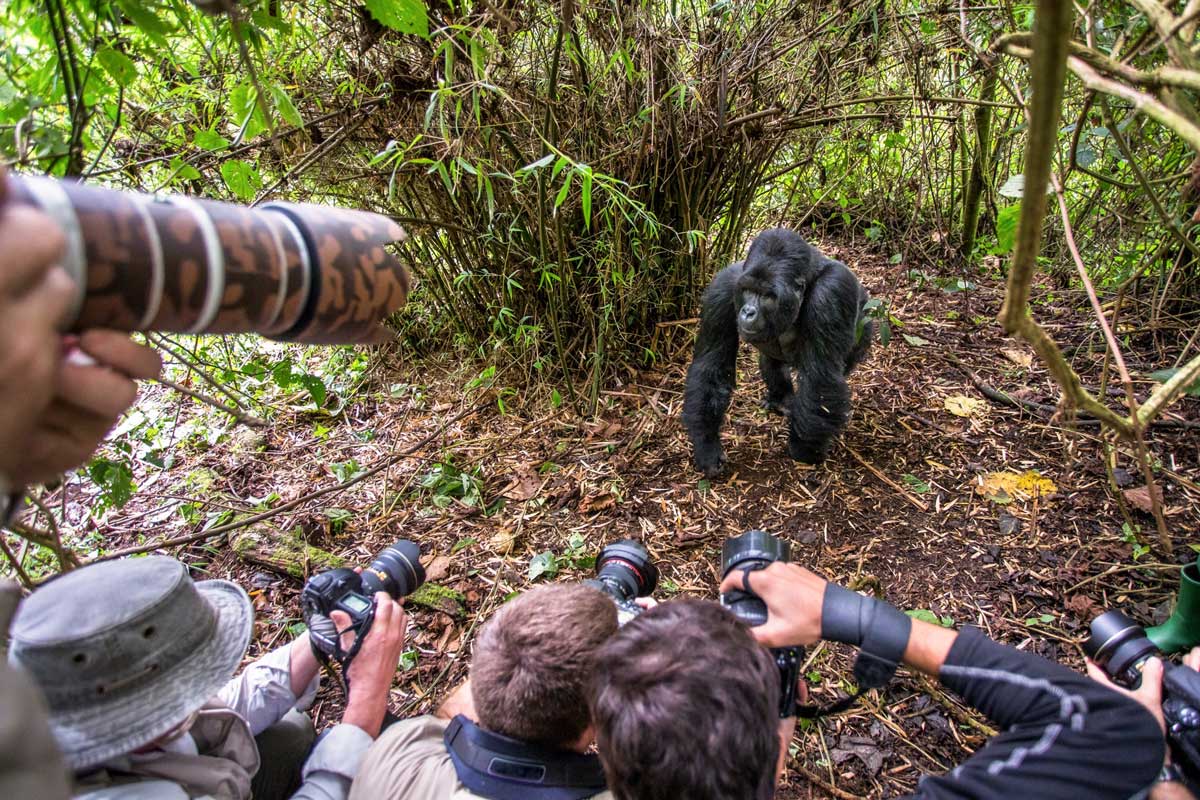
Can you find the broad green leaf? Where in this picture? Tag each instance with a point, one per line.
(285, 107)
(1085, 156)
(919, 486)
(184, 171)
(403, 16)
(209, 140)
(1006, 228)
(543, 564)
(1164, 375)
(915, 341)
(316, 389)
(534, 165)
(241, 178)
(118, 65)
(144, 17)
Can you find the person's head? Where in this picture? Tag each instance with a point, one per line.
(532, 662)
(126, 651)
(685, 704)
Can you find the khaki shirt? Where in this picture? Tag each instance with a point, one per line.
(409, 761)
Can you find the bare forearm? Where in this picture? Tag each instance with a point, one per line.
(928, 647)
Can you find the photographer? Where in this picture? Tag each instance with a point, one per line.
(1064, 736)
(519, 727)
(136, 663)
(59, 396)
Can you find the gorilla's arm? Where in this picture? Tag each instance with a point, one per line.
(826, 332)
(778, 378)
(713, 372)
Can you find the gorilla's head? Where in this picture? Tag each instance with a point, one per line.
(771, 287)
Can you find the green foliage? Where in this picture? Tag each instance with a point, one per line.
(404, 16)
(1164, 375)
(115, 480)
(543, 564)
(446, 483)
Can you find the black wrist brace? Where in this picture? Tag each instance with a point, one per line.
(881, 631)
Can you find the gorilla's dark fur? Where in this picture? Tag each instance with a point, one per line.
(800, 310)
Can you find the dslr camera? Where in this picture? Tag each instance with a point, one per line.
(757, 550)
(625, 572)
(397, 570)
(1120, 647)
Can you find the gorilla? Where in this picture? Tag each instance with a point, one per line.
(802, 311)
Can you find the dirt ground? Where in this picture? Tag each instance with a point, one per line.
(898, 508)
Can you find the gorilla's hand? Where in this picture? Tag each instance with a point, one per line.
(710, 459)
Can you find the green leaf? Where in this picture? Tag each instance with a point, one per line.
(408, 659)
(919, 486)
(1164, 375)
(543, 564)
(209, 140)
(915, 341)
(241, 178)
(587, 197)
(118, 65)
(885, 332)
(1006, 228)
(536, 165)
(115, 479)
(403, 16)
(555, 398)
(562, 193)
(143, 17)
(316, 389)
(462, 544)
(285, 107)
(924, 615)
(183, 171)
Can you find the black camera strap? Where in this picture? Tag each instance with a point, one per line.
(502, 768)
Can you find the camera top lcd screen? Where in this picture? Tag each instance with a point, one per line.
(355, 603)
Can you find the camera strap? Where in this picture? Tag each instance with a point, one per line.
(502, 768)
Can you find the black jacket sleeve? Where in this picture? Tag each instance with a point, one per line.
(1063, 735)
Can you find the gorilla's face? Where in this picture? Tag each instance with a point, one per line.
(767, 304)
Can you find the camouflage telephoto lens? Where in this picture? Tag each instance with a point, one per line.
(397, 571)
(295, 272)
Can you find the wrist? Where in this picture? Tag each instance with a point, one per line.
(365, 713)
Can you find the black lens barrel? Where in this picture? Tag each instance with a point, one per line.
(753, 549)
(397, 570)
(1120, 646)
(625, 566)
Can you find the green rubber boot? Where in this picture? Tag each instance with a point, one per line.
(1182, 630)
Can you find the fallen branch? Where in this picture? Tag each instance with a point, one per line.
(909, 496)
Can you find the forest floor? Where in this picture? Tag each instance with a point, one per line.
(909, 504)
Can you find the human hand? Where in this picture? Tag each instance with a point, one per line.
(93, 387)
(793, 596)
(1149, 693)
(35, 295)
(372, 670)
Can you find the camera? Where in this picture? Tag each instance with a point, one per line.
(397, 570)
(1120, 647)
(755, 550)
(624, 572)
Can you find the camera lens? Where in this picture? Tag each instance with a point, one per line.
(751, 550)
(1119, 645)
(397, 571)
(755, 549)
(625, 569)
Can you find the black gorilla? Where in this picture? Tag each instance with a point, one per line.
(800, 310)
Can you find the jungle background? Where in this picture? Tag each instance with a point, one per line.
(1016, 183)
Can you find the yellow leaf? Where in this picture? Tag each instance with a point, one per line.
(962, 406)
(1004, 487)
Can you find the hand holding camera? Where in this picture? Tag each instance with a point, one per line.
(793, 597)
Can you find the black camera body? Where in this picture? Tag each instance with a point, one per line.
(625, 572)
(1120, 647)
(397, 570)
(755, 550)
